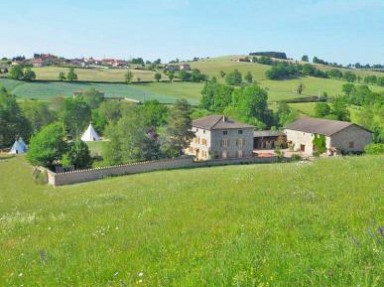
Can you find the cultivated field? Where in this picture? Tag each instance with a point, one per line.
(163, 92)
(94, 74)
(300, 224)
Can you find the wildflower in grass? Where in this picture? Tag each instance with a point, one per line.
(42, 255)
(381, 230)
(20, 275)
(116, 273)
(140, 274)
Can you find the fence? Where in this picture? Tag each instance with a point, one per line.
(63, 178)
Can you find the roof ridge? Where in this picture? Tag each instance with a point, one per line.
(218, 121)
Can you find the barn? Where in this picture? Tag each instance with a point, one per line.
(340, 137)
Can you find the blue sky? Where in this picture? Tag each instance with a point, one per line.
(344, 31)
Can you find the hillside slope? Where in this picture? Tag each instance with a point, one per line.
(298, 224)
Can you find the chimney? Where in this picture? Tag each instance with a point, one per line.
(224, 119)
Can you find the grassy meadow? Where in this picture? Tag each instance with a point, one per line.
(299, 224)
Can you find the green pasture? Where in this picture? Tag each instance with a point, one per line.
(299, 224)
(168, 92)
(49, 90)
(94, 74)
(278, 90)
(307, 109)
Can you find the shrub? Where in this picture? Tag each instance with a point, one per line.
(295, 157)
(373, 148)
(40, 177)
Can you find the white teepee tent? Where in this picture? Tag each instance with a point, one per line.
(90, 135)
(19, 147)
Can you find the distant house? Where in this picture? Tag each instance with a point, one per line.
(219, 137)
(38, 62)
(171, 68)
(340, 137)
(269, 139)
(184, 67)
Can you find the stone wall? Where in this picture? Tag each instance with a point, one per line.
(78, 176)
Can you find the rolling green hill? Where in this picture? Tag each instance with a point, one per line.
(299, 224)
(168, 92)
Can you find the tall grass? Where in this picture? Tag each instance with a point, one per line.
(298, 224)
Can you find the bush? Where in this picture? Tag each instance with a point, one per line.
(40, 177)
(373, 148)
(295, 157)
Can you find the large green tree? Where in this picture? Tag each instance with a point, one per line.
(13, 123)
(37, 113)
(29, 75)
(76, 115)
(93, 97)
(16, 72)
(322, 109)
(157, 76)
(216, 97)
(71, 76)
(340, 109)
(79, 155)
(250, 105)
(128, 76)
(47, 146)
(178, 134)
(130, 141)
(234, 78)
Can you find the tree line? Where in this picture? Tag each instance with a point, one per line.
(368, 105)
(142, 132)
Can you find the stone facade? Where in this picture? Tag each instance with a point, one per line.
(352, 138)
(223, 141)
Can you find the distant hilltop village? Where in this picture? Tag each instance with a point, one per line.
(43, 60)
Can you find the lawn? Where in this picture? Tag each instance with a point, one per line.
(300, 224)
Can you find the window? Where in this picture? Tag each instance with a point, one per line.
(240, 154)
(224, 142)
(224, 154)
(240, 142)
(203, 141)
(225, 132)
(240, 132)
(203, 131)
(198, 140)
(351, 145)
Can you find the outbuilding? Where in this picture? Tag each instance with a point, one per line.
(340, 136)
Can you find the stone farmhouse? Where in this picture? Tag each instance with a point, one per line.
(340, 137)
(217, 137)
